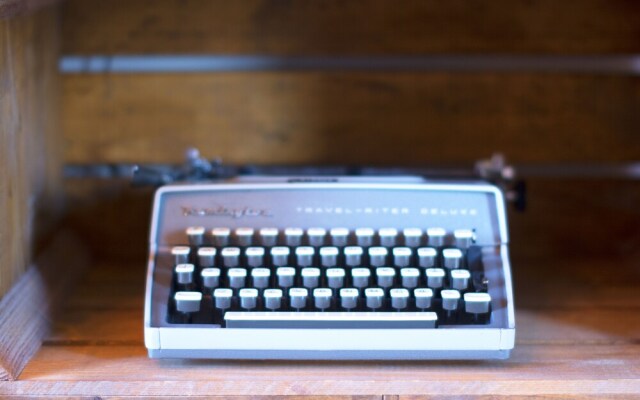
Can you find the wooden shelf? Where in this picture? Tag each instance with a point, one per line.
(572, 340)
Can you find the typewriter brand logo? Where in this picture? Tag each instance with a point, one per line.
(222, 211)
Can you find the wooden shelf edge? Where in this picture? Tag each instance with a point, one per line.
(26, 310)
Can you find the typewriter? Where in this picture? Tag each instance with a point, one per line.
(329, 268)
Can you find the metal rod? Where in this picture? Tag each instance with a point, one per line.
(171, 63)
(627, 171)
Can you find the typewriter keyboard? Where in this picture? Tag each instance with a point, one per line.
(328, 278)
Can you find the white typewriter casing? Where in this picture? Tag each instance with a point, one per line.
(326, 201)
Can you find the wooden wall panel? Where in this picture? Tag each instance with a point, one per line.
(351, 117)
(29, 157)
(366, 27)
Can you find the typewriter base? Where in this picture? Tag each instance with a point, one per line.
(332, 355)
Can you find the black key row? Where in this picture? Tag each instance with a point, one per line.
(326, 256)
(451, 305)
(187, 278)
(317, 237)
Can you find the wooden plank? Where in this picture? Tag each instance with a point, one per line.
(577, 218)
(533, 369)
(600, 396)
(354, 118)
(26, 310)
(367, 27)
(29, 155)
(248, 397)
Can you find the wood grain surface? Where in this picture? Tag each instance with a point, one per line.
(365, 27)
(29, 152)
(352, 118)
(27, 310)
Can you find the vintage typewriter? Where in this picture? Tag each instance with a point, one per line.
(329, 267)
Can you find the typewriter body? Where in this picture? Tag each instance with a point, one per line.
(329, 268)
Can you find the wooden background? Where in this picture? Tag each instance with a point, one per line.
(362, 116)
(30, 146)
(353, 117)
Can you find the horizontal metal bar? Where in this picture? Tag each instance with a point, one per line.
(98, 64)
(629, 171)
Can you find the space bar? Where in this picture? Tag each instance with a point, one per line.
(330, 320)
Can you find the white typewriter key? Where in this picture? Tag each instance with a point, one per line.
(460, 279)
(385, 276)
(401, 256)
(260, 277)
(423, 298)
(322, 298)
(244, 236)
(310, 277)
(286, 276)
(360, 277)
(272, 299)
(378, 256)
(188, 302)
(463, 238)
(230, 256)
(374, 297)
(388, 236)
(339, 236)
(222, 298)
(450, 299)
(184, 273)
(248, 298)
(268, 236)
(304, 256)
(195, 234)
(412, 237)
(180, 254)
(328, 256)
(298, 298)
(335, 278)
(293, 236)
(255, 256)
(364, 237)
(280, 256)
(399, 298)
(427, 257)
(349, 298)
(316, 236)
(210, 277)
(409, 277)
(477, 303)
(220, 236)
(436, 236)
(452, 258)
(435, 277)
(237, 277)
(206, 257)
(353, 256)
